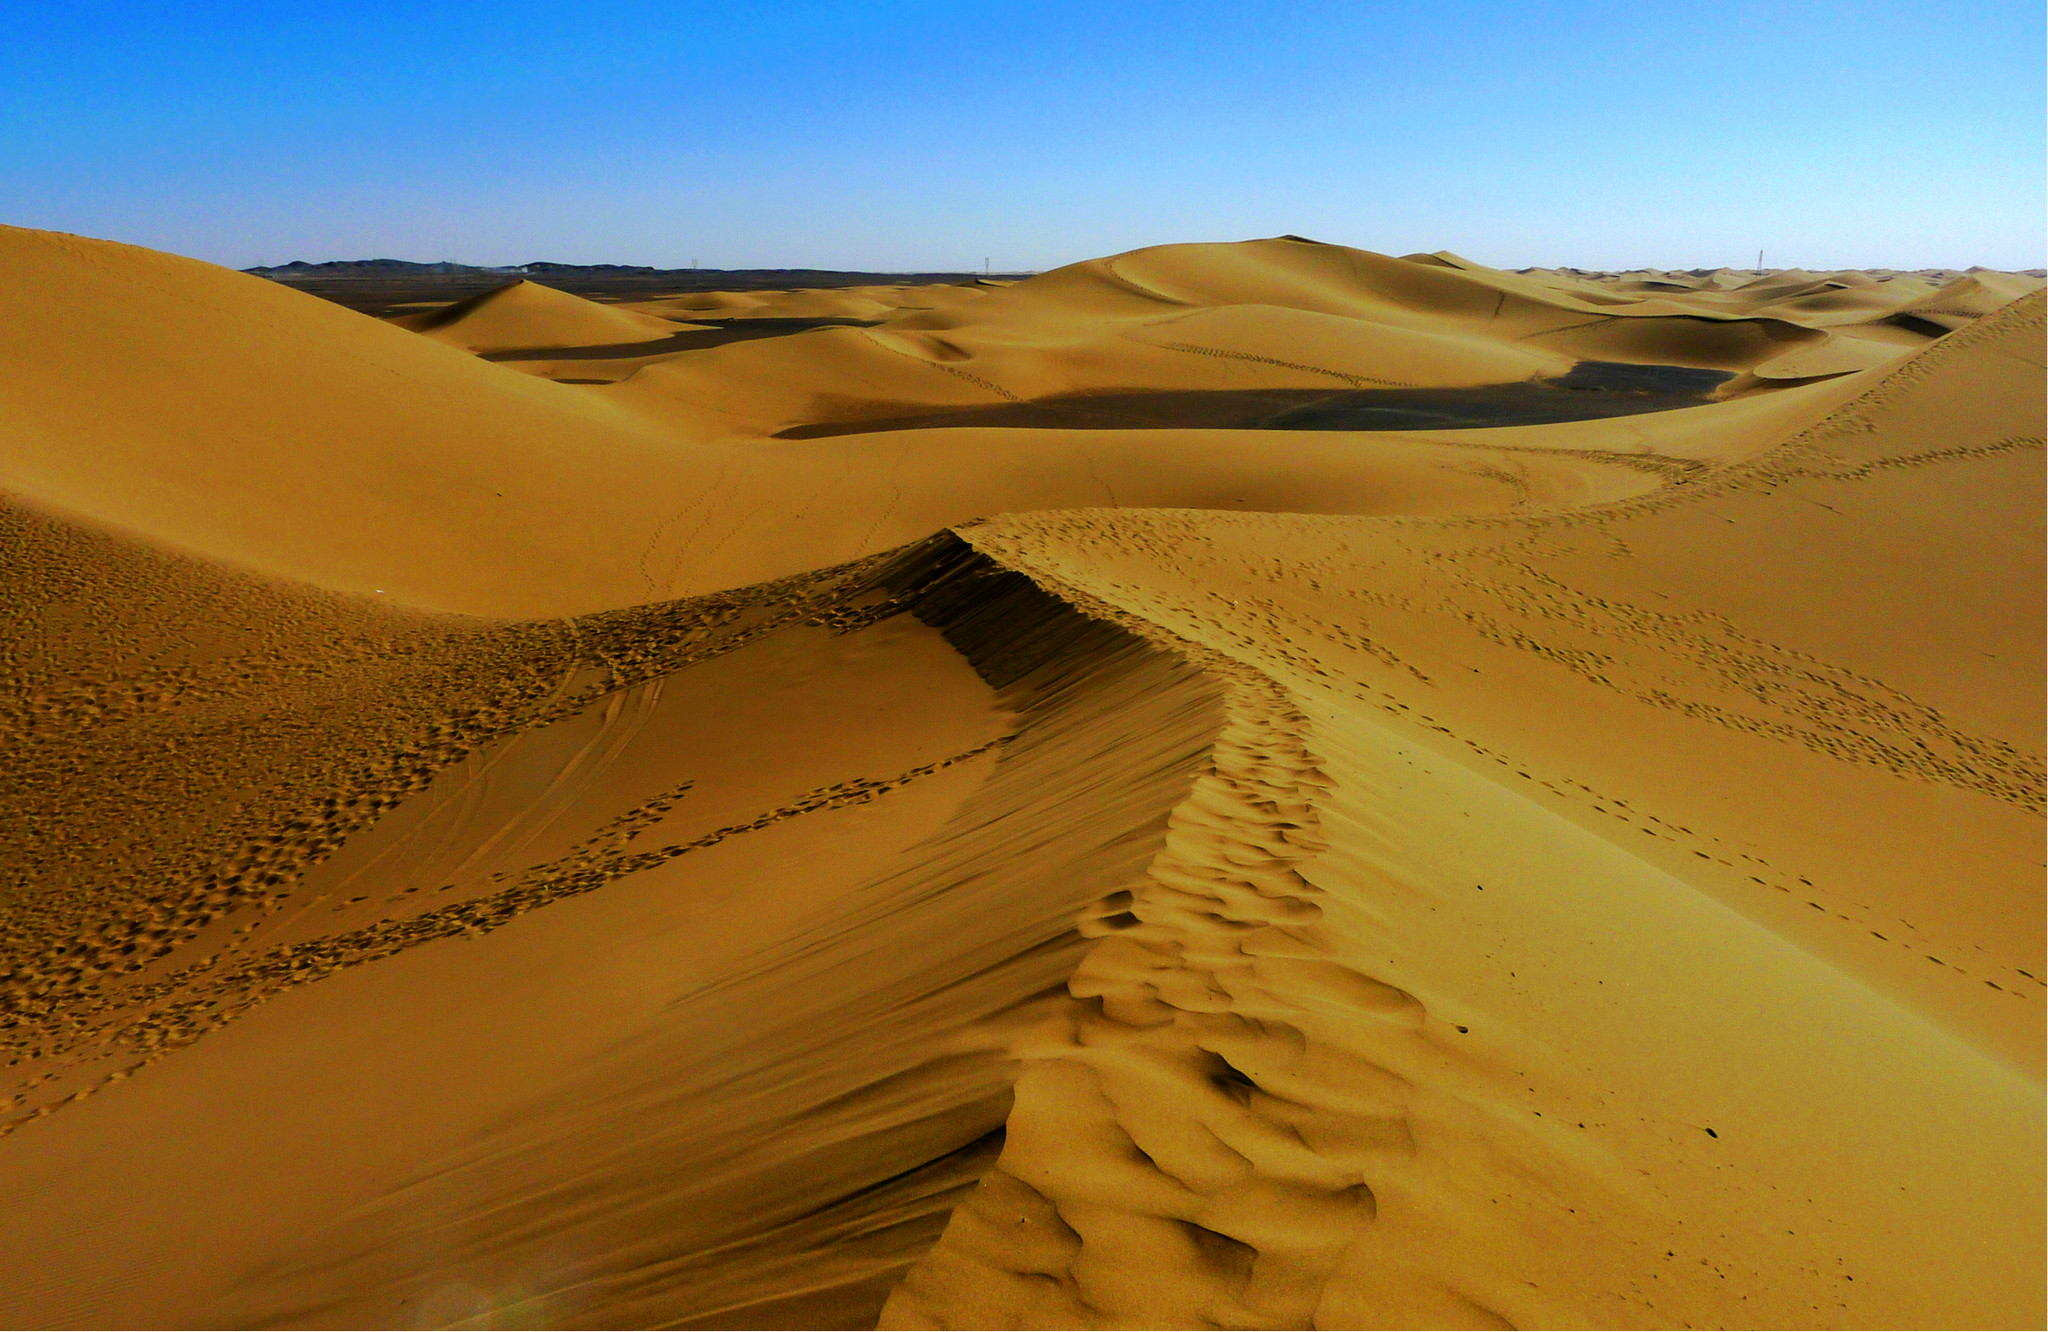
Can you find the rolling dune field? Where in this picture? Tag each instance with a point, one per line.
(1260, 785)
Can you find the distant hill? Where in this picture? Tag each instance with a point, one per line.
(299, 269)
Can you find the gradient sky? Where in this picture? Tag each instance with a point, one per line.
(899, 136)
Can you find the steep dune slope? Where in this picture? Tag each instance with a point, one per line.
(700, 766)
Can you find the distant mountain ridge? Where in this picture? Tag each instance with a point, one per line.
(334, 268)
(299, 270)
(385, 286)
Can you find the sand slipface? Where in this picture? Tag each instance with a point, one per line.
(1005, 804)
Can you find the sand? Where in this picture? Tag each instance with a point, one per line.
(974, 805)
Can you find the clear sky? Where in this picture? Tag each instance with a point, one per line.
(933, 135)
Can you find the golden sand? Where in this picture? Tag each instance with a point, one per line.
(543, 812)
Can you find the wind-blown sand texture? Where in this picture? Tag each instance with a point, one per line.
(972, 806)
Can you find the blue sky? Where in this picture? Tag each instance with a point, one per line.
(934, 135)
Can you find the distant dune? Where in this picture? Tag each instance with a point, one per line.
(1256, 785)
(525, 316)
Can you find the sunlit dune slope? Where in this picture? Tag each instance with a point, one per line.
(1576, 874)
(228, 416)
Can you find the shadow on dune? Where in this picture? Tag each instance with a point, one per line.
(767, 1134)
(796, 1129)
(1592, 389)
(691, 339)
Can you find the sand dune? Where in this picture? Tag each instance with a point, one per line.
(1813, 811)
(861, 822)
(403, 469)
(525, 315)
